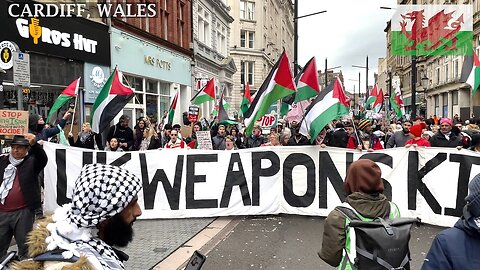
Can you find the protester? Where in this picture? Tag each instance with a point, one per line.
(340, 136)
(416, 137)
(239, 138)
(20, 195)
(218, 142)
(363, 139)
(86, 138)
(475, 143)
(399, 138)
(256, 139)
(445, 137)
(364, 189)
(167, 129)
(177, 127)
(150, 140)
(139, 129)
(427, 134)
(192, 140)
(458, 247)
(297, 138)
(284, 138)
(100, 217)
(37, 126)
(273, 140)
(113, 145)
(176, 142)
(230, 143)
(122, 132)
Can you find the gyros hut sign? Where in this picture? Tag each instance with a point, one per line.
(13, 122)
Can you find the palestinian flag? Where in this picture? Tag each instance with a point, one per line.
(396, 101)
(372, 98)
(205, 94)
(247, 99)
(223, 117)
(278, 84)
(307, 85)
(431, 30)
(68, 93)
(471, 71)
(329, 105)
(171, 111)
(110, 101)
(377, 106)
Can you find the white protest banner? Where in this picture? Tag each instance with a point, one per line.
(204, 140)
(430, 183)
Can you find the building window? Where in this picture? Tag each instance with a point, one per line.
(437, 105)
(247, 10)
(446, 73)
(437, 71)
(455, 98)
(203, 26)
(221, 39)
(164, 98)
(455, 69)
(445, 105)
(180, 22)
(247, 72)
(247, 39)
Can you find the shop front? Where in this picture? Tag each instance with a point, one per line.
(59, 49)
(156, 73)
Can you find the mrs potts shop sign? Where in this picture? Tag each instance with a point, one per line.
(157, 62)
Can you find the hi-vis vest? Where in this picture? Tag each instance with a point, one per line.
(350, 239)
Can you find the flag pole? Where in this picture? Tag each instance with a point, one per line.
(73, 114)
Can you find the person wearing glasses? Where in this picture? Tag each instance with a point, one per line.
(445, 137)
(176, 142)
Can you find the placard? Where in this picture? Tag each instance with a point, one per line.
(13, 122)
(204, 140)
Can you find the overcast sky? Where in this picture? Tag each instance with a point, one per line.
(348, 32)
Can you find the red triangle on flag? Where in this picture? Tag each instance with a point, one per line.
(247, 93)
(310, 76)
(379, 98)
(340, 94)
(284, 76)
(72, 89)
(118, 88)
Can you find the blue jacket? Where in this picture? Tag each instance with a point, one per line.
(456, 248)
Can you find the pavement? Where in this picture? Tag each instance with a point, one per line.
(242, 242)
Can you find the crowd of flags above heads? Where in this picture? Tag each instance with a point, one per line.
(328, 104)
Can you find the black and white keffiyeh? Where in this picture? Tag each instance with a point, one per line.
(8, 177)
(101, 191)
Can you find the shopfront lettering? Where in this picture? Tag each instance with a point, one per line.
(150, 60)
(55, 37)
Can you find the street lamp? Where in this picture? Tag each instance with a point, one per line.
(354, 102)
(366, 79)
(326, 71)
(295, 33)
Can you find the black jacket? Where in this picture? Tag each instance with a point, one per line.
(124, 135)
(302, 141)
(254, 141)
(89, 142)
(28, 172)
(439, 140)
(339, 138)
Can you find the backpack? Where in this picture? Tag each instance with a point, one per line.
(377, 244)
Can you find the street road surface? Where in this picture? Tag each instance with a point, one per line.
(289, 242)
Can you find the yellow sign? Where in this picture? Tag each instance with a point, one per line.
(26, 90)
(13, 122)
(35, 30)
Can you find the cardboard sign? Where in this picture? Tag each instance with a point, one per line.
(13, 122)
(204, 140)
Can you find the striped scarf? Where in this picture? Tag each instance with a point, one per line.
(8, 177)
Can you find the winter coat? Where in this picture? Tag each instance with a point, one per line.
(375, 143)
(339, 138)
(42, 134)
(294, 142)
(439, 140)
(334, 237)
(124, 135)
(456, 248)
(218, 142)
(28, 172)
(89, 143)
(254, 141)
(398, 139)
(419, 142)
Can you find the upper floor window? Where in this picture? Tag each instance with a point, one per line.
(247, 10)
(247, 39)
(204, 30)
